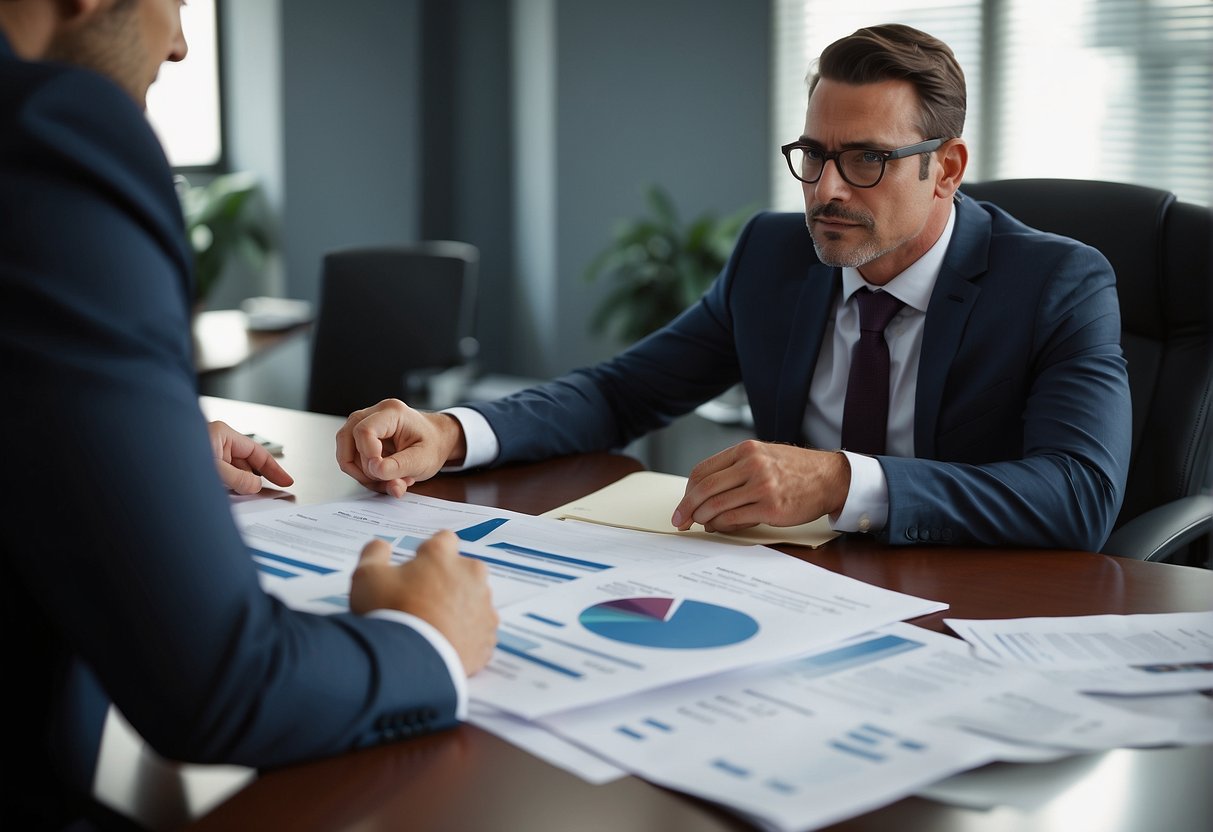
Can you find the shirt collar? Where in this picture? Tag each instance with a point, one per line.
(913, 286)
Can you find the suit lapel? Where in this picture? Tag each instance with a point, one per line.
(952, 300)
(813, 310)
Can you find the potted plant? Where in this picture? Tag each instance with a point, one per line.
(225, 219)
(658, 266)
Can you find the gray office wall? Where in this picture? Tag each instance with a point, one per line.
(398, 121)
(351, 128)
(674, 93)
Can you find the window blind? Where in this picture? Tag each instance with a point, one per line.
(1091, 89)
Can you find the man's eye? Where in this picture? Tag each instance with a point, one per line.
(870, 157)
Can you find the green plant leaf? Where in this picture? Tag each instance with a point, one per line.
(656, 266)
(225, 220)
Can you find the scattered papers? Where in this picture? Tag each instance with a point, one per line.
(644, 501)
(638, 629)
(536, 740)
(306, 554)
(785, 692)
(1125, 654)
(803, 743)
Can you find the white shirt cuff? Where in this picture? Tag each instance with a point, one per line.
(444, 649)
(482, 445)
(867, 505)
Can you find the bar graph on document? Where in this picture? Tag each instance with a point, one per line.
(515, 572)
(305, 555)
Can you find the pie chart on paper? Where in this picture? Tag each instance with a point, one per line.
(668, 623)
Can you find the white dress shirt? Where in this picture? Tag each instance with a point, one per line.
(867, 504)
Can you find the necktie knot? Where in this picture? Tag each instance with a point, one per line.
(876, 309)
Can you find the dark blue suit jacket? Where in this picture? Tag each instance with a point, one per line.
(1022, 415)
(122, 570)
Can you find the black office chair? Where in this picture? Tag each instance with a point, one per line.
(1162, 252)
(392, 321)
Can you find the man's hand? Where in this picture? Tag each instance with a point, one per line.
(242, 462)
(440, 586)
(759, 482)
(390, 446)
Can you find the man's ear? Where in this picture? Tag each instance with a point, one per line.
(953, 159)
(71, 11)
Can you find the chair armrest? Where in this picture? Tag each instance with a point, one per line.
(1162, 531)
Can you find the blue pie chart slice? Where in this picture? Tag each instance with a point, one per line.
(665, 623)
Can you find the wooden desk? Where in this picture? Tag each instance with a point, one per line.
(467, 779)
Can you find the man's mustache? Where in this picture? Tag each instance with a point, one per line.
(830, 211)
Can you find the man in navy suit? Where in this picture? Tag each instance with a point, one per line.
(1008, 404)
(124, 577)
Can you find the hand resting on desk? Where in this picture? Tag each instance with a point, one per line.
(389, 446)
(763, 482)
(242, 462)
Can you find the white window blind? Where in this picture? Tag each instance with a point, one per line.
(805, 27)
(183, 105)
(1091, 89)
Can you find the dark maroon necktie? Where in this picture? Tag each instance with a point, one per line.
(865, 415)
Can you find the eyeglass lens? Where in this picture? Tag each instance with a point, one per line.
(861, 168)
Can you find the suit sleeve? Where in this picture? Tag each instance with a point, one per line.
(668, 374)
(119, 528)
(1066, 486)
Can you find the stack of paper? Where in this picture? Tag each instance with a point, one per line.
(786, 692)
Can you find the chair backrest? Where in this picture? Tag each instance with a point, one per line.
(388, 314)
(1162, 252)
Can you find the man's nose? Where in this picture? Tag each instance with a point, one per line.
(180, 48)
(831, 185)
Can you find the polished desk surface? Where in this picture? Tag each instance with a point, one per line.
(467, 779)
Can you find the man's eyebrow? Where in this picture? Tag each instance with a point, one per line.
(864, 145)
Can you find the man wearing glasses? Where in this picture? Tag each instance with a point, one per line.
(920, 366)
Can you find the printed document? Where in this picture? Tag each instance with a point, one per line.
(306, 554)
(637, 629)
(1125, 654)
(803, 743)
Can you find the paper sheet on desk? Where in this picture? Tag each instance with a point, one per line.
(645, 500)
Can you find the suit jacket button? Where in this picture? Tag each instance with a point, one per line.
(947, 535)
(912, 533)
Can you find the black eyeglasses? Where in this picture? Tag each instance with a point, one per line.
(859, 167)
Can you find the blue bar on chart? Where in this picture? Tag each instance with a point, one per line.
(854, 655)
(281, 566)
(480, 530)
(730, 768)
(526, 551)
(518, 567)
(521, 648)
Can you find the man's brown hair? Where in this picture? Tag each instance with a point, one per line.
(897, 52)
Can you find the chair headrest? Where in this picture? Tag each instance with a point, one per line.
(1127, 223)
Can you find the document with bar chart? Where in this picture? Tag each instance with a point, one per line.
(306, 554)
(630, 631)
(847, 728)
